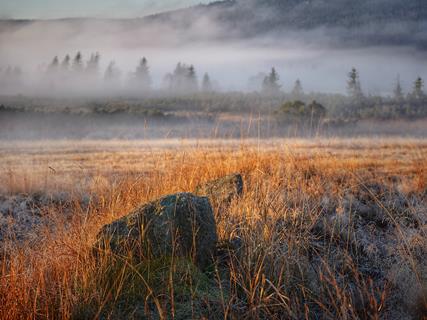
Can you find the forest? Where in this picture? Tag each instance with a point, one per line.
(75, 85)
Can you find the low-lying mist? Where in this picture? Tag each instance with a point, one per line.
(123, 126)
(28, 50)
(206, 71)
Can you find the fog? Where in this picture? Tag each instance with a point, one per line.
(28, 48)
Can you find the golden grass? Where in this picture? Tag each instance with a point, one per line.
(286, 185)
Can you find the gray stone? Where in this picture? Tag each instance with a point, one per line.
(181, 224)
(221, 191)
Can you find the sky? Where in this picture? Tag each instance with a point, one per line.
(53, 9)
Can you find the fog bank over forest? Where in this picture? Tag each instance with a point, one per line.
(232, 41)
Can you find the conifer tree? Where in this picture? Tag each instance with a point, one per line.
(92, 66)
(297, 91)
(398, 91)
(112, 73)
(353, 85)
(142, 75)
(271, 84)
(65, 65)
(418, 92)
(206, 83)
(191, 79)
(53, 66)
(78, 62)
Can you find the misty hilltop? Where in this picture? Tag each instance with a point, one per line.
(334, 22)
(234, 41)
(364, 22)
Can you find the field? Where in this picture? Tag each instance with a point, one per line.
(329, 229)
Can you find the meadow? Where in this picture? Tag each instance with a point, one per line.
(329, 229)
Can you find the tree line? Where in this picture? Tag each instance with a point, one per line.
(183, 79)
(79, 74)
(357, 104)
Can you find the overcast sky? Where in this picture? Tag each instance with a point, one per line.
(51, 9)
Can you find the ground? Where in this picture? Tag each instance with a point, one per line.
(329, 228)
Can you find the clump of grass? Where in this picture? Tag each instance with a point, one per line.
(284, 268)
(159, 288)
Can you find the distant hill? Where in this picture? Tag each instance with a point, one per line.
(343, 22)
(361, 22)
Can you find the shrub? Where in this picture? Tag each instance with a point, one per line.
(299, 111)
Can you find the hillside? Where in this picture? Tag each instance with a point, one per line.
(364, 22)
(335, 22)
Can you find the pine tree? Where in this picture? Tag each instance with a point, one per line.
(398, 91)
(92, 66)
(53, 67)
(78, 62)
(178, 78)
(112, 73)
(271, 84)
(206, 83)
(297, 91)
(142, 75)
(418, 92)
(192, 85)
(65, 65)
(183, 79)
(353, 85)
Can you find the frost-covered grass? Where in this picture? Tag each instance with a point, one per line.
(330, 229)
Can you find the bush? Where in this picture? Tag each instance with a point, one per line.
(299, 111)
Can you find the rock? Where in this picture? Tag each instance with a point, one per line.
(227, 250)
(221, 191)
(152, 230)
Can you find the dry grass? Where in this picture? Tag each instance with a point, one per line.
(285, 270)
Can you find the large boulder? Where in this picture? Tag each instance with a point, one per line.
(221, 191)
(181, 224)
